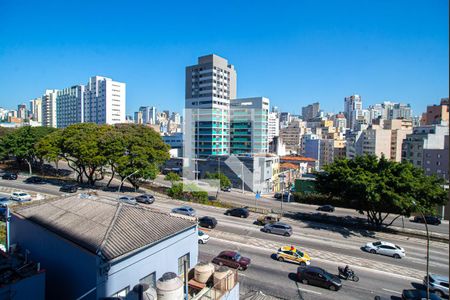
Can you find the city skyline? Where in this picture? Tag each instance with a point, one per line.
(316, 60)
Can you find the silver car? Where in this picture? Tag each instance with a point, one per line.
(128, 199)
(184, 210)
(278, 228)
(438, 284)
(385, 248)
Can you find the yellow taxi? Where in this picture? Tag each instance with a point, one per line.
(292, 254)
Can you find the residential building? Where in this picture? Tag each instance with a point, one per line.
(94, 247)
(49, 108)
(436, 161)
(104, 101)
(354, 143)
(149, 114)
(377, 141)
(22, 111)
(306, 164)
(427, 137)
(175, 118)
(36, 110)
(351, 104)
(210, 85)
(311, 146)
(249, 119)
(273, 126)
(175, 141)
(138, 118)
(291, 136)
(340, 122)
(285, 119)
(437, 114)
(400, 128)
(310, 111)
(70, 106)
(326, 152)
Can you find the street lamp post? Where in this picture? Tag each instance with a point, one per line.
(242, 176)
(126, 177)
(428, 251)
(282, 176)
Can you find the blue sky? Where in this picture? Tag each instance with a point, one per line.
(294, 52)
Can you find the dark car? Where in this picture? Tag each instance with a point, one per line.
(226, 189)
(207, 222)
(145, 198)
(327, 207)
(432, 220)
(238, 212)
(278, 195)
(232, 259)
(318, 277)
(418, 295)
(9, 176)
(35, 180)
(69, 188)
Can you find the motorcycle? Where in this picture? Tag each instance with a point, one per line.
(349, 275)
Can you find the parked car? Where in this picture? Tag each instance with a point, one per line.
(202, 237)
(385, 248)
(327, 208)
(20, 196)
(35, 180)
(238, 212)
(278, 195)
(268, 219)
(145, 198)
(9, 176)
(232, 259)
(318, 277)
(226, 189)
(69, 188)
(278, 228)
(418, 295)
(432, 220)
(128, 199)
(184, 210)
(438, 284)
(292, 254)
(207, 222)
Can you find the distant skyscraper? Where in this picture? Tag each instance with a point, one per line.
(70, 106)
(310, 111)
(36, 110)
(138, 119)
(49, 108)
(352, 107)
(210, 85)
(22, 111)
(273, 126)
(104, 101)
(149, 114)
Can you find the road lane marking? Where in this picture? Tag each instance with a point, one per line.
(391, 291)
(309, 291)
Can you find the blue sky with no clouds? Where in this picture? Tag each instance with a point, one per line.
(294, 52)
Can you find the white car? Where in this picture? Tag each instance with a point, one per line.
(385, 248)
(20, 196)
(202, 237)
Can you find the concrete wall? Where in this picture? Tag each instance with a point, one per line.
(160, 258)
(32, 287)
(64, 262)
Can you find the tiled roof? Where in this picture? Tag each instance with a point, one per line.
(296, 158)
(109, 226)
(288, 166)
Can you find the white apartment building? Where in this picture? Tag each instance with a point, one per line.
(36, 110)
(70, 106)
(104, 101)
(273, 126)
(49, 108)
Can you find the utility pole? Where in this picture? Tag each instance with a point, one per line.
(242, 176)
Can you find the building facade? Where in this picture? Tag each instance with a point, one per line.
(70, 106)
(104, 101)
(437, 114)
(310, 111)
(49, 108)
(36, 110)
(273, 126)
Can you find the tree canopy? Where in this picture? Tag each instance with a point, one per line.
(379, 187)
(223, 179)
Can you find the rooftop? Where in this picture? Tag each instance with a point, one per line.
(104, 226)
(296, 158)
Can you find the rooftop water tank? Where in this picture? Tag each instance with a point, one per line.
(203, 271)
(223, 279)
(169, 287)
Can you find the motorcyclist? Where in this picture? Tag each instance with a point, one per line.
(346, 270)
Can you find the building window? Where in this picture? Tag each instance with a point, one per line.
(122, 293)
(181, 261)
(150, 279)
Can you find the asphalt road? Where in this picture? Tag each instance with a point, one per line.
(268, 202)
(328, 246)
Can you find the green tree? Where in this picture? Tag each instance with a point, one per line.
(176, 191)
(223, 179)
(172, 177)
(21, 143)
(145, 152)
(378, 187)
